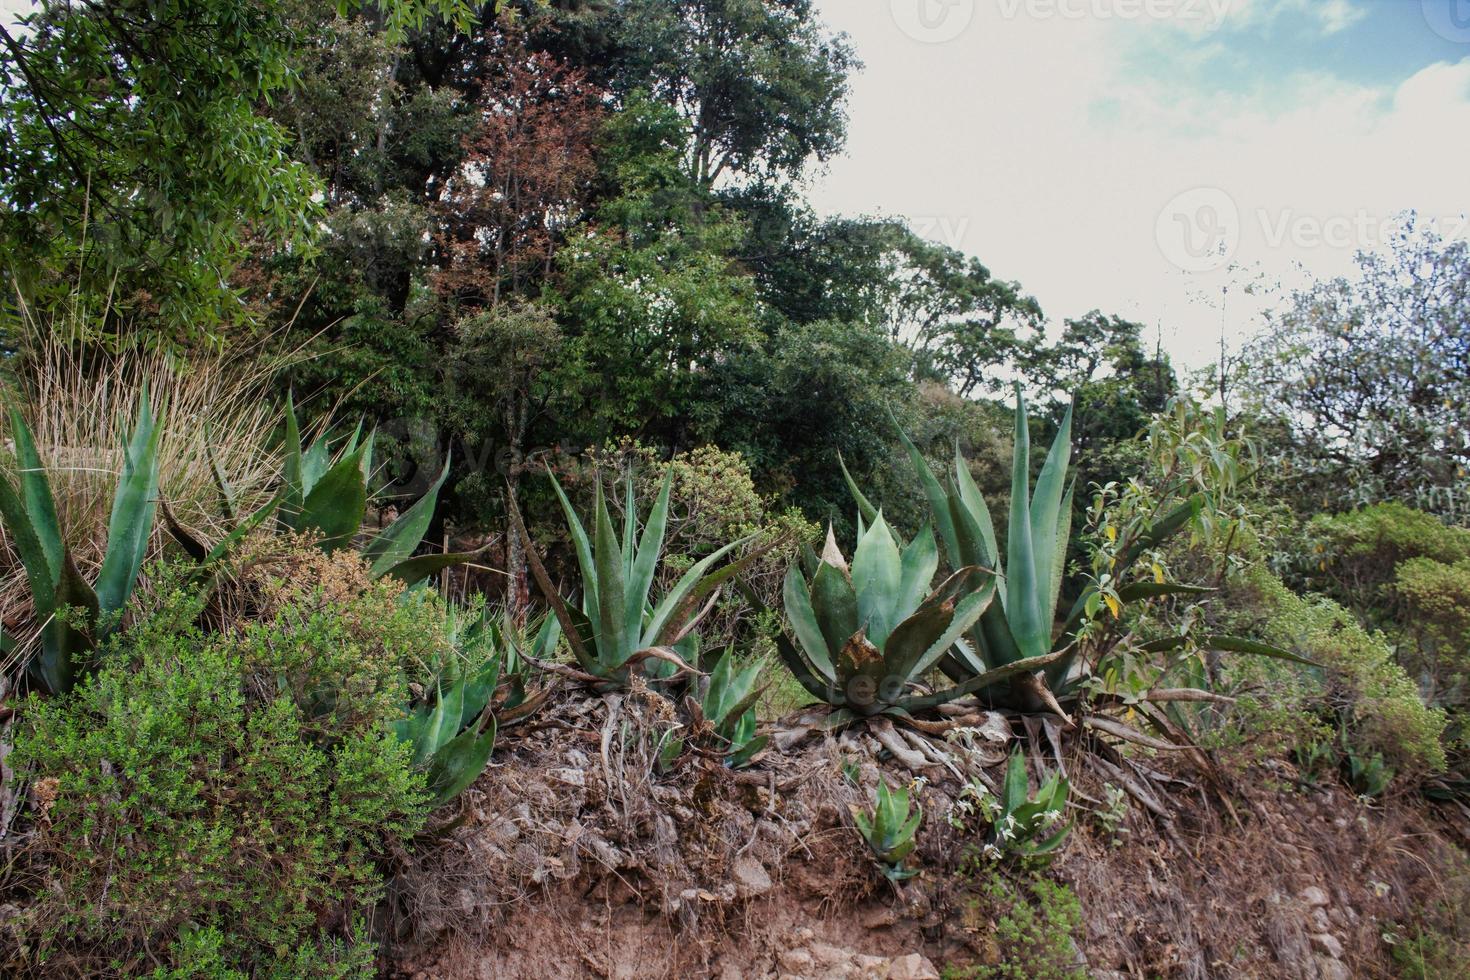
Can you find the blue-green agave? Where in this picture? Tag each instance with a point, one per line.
(890, 830)
(866, 635)
(620, 623)
(1021, 626)
(725, 710)
(326, 493)
(453, 734)
(74, 614)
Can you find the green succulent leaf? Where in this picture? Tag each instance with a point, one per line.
(35, 490)
(804, 624)
(131, 523)
(877, 573)
(459, 762)
(397, 542)
(336, 504)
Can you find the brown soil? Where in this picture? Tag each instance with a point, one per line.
(571, 858)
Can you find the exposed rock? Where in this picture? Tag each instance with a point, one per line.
(751, 878)
(798, 961)
(1330, 969)
(912, 967)
(1313, 896)
(1328, 943)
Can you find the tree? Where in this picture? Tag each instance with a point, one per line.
(525, 177)
(760, 86)
(1369, 378)
(135, 154)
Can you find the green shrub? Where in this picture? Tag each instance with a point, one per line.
(1032, 926)
(191, 801)
(1361, 683)
(1354, 556)
(1436, 601)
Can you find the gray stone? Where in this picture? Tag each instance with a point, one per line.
(1328, 943)
(751, 878)
(1313, 896)
(912, 967)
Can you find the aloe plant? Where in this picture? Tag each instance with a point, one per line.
(890, 830)
(73, 613)
(620, 624)
(866, 634)
(454, 735)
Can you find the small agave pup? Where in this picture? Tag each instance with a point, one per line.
(865, 635)
(890, 830)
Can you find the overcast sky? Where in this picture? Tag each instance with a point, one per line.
(1102, 152)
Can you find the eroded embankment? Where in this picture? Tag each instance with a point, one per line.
(571, 858)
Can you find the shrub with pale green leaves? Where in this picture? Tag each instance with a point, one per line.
(186, 800)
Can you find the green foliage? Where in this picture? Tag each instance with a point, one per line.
(75, 614)
(865, 635)
(619, 624)
(1359, 682)
(324, 494)
(728, 706)
(890, 830)
(1033, 924)
(760, 86)
(482, 688)
(177, 757)
(137, 157)
(1436, 603)
(1019, 825)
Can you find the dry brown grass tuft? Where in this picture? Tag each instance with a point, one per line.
(80, 401)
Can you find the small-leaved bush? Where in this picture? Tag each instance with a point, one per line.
(1374, 700)
(197, 806)
(1032, 925)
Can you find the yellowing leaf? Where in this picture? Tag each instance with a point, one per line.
(1158, 574)
(1113, 606)
(1112, 533)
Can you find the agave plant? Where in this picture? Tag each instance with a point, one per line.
(74, 615)
(724, 712)
(453, 735)
(325, 492)
(889, 830)
(619, 624)
(866, 634)
(1020, 626)
(1029, 826)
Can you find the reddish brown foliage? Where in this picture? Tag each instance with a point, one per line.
(528, 170)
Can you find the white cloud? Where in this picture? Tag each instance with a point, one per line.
(1329, 16)
(1045, 151)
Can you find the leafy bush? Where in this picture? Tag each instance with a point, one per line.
(1436, 600)
(1372, 697)
(189, 797)
(1353, 556)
